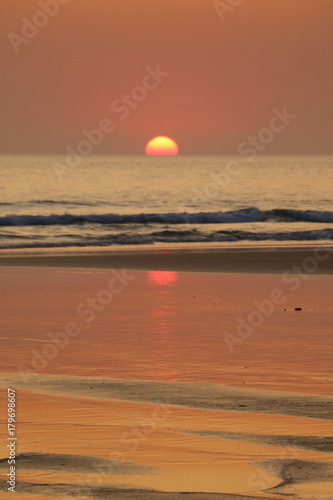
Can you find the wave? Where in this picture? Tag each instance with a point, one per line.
(302, 215)
(244, 215)
(232, 217)
(62, 202)
(195, 236)
(170, 236)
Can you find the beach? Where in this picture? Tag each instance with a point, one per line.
(166, 250)
(136, 377)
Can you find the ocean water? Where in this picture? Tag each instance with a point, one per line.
(140, 200)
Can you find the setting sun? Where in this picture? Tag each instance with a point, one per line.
(162, 146)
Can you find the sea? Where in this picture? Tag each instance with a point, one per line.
(106, 201)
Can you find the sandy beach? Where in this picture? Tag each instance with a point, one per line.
(135, 384)
(166, 250)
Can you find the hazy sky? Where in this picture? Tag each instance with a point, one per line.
(221, 79)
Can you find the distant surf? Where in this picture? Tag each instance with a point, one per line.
(136, 200)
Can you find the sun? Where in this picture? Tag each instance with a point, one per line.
(162, 145)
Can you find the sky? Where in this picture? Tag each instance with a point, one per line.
(209, 74)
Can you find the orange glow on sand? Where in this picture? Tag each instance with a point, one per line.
(162, 146)
(162, 277)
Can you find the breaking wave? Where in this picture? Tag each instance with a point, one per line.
(169, 236)
(231, 217)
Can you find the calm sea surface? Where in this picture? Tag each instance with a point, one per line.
(136, 200)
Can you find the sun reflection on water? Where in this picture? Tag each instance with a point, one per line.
(164, 325)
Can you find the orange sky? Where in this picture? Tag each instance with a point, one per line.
(225, 77)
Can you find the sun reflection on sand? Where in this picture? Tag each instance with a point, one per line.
(164, 325)
(162, 277)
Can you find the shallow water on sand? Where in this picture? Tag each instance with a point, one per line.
(171, 326)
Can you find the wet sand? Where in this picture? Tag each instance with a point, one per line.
(147, 401)
(264, 259)
(191, 395)
(73, 491)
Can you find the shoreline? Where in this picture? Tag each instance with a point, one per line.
(243, 260)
